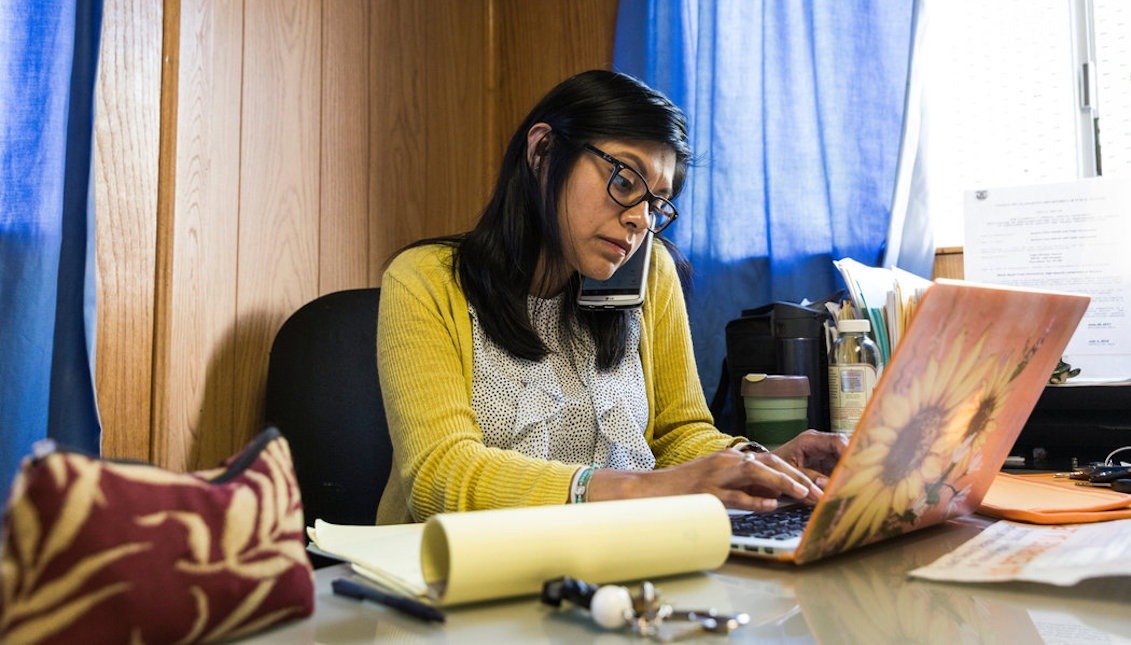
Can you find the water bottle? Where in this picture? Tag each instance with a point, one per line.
(854, 367)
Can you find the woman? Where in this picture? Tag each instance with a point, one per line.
(500, 391)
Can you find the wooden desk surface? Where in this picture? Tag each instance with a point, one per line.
(860, 597)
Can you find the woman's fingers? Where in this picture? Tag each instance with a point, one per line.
(747, 481)
(778, 478)
(813, 450)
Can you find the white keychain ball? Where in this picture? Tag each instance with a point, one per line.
(611, 606)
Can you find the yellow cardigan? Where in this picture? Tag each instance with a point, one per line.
(424, 359)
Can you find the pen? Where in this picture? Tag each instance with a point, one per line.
(346, 587)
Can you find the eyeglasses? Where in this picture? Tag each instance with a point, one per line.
(628, 188)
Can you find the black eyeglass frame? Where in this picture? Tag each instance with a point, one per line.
(652, 198)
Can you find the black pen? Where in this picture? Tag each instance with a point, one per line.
(347, 587)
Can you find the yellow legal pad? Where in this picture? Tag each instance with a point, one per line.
(456, 558)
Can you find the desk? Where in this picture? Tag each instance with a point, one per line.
(860, 597)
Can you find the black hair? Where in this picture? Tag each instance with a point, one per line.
(497, 260)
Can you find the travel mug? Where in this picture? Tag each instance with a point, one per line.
(777, 407)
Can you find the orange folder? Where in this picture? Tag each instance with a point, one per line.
(1044, 499)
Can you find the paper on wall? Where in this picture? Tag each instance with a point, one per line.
(1068, 236)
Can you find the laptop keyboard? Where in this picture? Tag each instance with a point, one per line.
(781, 524)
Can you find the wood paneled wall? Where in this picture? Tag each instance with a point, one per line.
(254, 154)
(126, 172)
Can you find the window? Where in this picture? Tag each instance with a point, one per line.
(1112, 29)
(1021, 92)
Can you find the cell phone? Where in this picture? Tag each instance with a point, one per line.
(625, 288)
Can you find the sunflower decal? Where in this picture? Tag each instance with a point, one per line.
(989, 409)
(896, 467)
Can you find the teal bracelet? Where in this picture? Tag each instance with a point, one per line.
(581, 488)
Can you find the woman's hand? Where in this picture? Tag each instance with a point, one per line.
(814, 453)
(741, 480)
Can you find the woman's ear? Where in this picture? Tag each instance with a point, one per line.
(537, 144)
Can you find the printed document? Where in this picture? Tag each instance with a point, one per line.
(1071, 237)
(1062, 554)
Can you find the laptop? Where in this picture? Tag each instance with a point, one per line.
(940, 423)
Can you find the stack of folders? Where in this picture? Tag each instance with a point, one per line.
(1049, 499)
(456, 558)
(885, 297)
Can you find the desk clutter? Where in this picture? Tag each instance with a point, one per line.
(100, 551)
(806, 340)
(865, 597)
(613, 607)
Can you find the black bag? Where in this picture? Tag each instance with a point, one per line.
(778, 338)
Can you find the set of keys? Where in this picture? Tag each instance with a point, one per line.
(1116, 477)
(614, 607)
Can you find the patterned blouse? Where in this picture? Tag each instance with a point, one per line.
(562, 408)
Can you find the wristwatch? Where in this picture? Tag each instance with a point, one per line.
(752, 446)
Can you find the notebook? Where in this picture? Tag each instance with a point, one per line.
(941, 421)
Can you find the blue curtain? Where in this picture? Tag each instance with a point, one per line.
(796, 110)
(48, 55)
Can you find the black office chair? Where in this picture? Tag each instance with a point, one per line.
(323, 395)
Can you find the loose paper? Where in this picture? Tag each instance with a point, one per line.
(1060, 555)
(389, 555)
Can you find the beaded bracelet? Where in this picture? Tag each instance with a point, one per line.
(581, 487)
